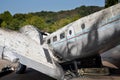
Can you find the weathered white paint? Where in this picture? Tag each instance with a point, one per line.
(26, 47)
(100, 29)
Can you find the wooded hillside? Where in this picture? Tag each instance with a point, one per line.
(45, 20)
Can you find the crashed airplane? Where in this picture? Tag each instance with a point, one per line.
(75, 46)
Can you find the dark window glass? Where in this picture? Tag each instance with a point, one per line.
(70, 32)
(62, 35)
(48, 41)
(54, 38)
(83, 26)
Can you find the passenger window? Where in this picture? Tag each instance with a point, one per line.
(48, 41)
(83, 26)
(54, 38)
(62, 35)
(70, 32)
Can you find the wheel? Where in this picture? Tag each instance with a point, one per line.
(20, 68)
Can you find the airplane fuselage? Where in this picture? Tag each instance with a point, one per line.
(87, 36)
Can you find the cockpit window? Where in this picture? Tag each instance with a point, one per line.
(54, 38)
(48, 41)
(62, 35)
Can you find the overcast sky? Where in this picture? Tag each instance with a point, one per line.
(26, 6)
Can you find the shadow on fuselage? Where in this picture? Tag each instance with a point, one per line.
(112, 56)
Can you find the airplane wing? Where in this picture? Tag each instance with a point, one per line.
(16, 46)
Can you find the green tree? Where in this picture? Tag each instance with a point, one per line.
(4, 24)
(35, 21)
(14, 25)
(60, 23)
(1, 22)
(7, 17)
(20, 17)
(109, 3)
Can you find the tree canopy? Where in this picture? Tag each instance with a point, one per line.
(109, 3)
(45, 20)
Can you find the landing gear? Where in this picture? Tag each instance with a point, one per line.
(79, 67)
(20, 68)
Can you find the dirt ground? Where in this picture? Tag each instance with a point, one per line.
(35, 75)
(98, 78)
(3, 63)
